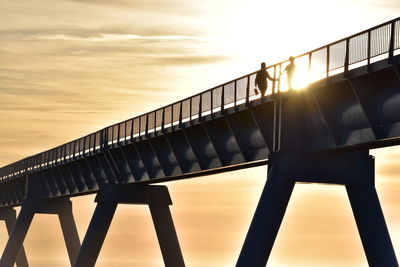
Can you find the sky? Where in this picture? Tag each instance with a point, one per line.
(72, 67)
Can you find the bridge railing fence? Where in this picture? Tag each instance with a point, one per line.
(382, 41)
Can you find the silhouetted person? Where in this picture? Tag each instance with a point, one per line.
(289, 72)
(261, 80)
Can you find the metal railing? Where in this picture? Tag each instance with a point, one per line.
(382, 41)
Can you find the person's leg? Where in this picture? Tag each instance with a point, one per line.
(263, 91)
(289, 81)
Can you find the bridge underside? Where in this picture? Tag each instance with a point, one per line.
(360, 110)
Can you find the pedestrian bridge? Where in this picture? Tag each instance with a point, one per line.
(350, 103)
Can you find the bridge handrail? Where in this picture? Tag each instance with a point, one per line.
(340, 56)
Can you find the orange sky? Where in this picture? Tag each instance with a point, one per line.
(71, 67)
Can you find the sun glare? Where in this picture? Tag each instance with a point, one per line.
(303, 75)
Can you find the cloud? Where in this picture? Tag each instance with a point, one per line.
(154, 6)
(391, 169)
(98, 34)
(391, 5)
(191, 60)
(102, 41)
(118, 37)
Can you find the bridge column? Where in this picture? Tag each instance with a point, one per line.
(268, 217)
(62, 207)
(369, 217)
(108, 198)
(9, 215)
(355, 170)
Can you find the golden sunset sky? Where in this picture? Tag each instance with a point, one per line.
(72, 67)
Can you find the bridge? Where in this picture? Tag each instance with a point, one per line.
(320, 134)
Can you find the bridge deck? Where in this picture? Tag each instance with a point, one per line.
(228, 127)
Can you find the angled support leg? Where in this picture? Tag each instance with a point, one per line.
(355, 170)
(62, 207)
(9, 216)
(108, 198)
(369, 217)
(166, 235)
(17, 236)
(267, 218)
(70, 232)
(95, 235)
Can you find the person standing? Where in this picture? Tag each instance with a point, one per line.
(289, 72)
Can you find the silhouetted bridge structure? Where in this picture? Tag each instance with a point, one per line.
(320, 135)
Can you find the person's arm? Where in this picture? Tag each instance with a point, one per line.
(271, 78)
(285, 70)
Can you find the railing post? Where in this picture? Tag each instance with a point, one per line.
(327, 60)
(140, 125)
(212, 102)
(112, 136)
(85, 143)
(64, 159)
(101, 142)
(180, 114)
(172, 115)
(248, 91)
(279, 80)
(155, 121)
(104, 140)
(147, 125)
(274, 82)
(48, 161)
(89, 146)
(28, 168)
(200, 106)
(391, 45)
(309, 67)
(82, 142)
(369, 51)
(47, 158)
(222, 99)
(132, 129)
(163, 120)
(190, 110)
(94, 143)
(74, 150)
(235, 94)
(118, 134)
(346, 59)
(124, 132)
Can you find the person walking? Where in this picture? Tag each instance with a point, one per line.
(261, 80)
